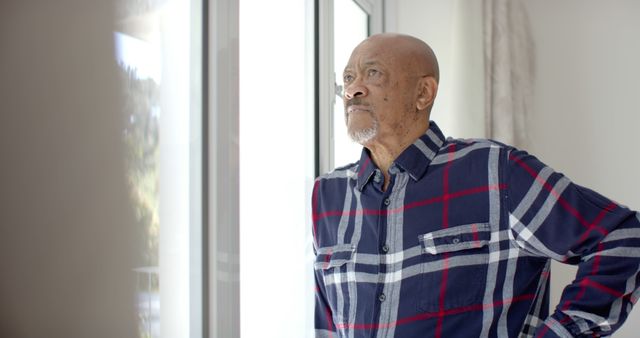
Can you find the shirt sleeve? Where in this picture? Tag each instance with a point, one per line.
(323, 320)
(549, 216)
(323, 317)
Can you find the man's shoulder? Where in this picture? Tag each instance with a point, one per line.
(345, 172)
(463, 150)
(477, 142)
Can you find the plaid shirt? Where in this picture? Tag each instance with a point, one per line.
(460, 243)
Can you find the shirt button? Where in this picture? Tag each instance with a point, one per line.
(385, 248)
(382, 297)
(386, 201)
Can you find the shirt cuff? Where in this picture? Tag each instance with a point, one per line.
(552, 328)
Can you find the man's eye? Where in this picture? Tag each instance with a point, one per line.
(372, 72)
(347, 78)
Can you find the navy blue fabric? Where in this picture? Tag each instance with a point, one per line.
(460, 243)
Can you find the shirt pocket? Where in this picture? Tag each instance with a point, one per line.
(331, 264)
(331, 257)
(454, 267)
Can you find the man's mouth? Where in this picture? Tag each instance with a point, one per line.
(358, 109)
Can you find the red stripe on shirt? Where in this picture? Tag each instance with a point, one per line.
(364, 165)
(603, 288)
(431, 315)
(381, 212)
(445, 224)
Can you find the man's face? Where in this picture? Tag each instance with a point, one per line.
(379, 95)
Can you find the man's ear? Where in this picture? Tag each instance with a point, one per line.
(428, 88)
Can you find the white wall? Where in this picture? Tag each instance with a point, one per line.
(586, 110)
(453, 30)
(66, 226)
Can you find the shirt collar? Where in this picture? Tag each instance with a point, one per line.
(414, 160)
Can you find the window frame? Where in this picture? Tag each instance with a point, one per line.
(221, 181)
(325, 74)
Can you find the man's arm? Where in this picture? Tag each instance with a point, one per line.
(324, 326)
(323, 318)
(552, 217)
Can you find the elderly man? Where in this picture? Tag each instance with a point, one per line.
(432, 237)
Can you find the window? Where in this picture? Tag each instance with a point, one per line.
(159, 52)
(277, 143)
(342, 25)
(276, 168)
(253, 259)
(351, 25)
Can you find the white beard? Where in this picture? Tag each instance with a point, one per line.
(363, 136)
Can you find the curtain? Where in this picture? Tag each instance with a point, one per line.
(509, 69)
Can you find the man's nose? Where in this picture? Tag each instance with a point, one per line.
(355, 89)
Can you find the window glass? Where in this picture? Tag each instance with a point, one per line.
(158, 59)
(350, 27)
(276, 168)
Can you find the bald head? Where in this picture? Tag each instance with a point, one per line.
(390, 84)
(416, 56)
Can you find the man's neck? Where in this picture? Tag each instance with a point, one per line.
(385, 151)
